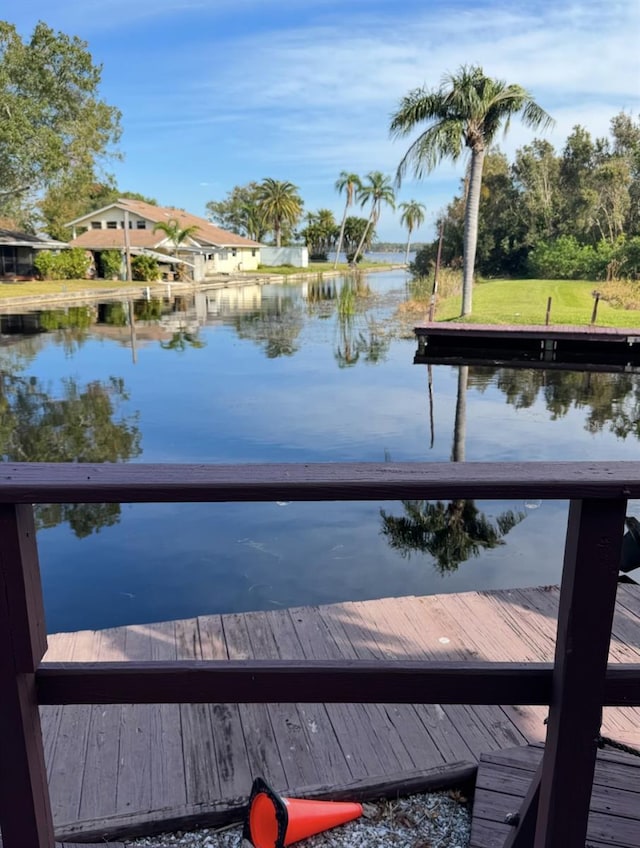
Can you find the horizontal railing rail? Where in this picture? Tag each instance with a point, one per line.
(576, 686)
(142, 483)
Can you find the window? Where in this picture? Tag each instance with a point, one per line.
(112, 225)
(234, 252)
(141, 225)
(96, 225)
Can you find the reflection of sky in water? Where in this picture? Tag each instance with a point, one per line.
(228, 402)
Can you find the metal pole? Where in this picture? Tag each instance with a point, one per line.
(127, 248)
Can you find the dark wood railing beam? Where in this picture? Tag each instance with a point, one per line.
(312, 681)
(140, 483)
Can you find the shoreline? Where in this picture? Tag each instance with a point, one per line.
(140, 291)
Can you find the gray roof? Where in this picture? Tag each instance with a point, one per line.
(16, 238)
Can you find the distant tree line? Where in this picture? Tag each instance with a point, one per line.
(568, 214)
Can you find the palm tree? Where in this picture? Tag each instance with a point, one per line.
(280, 205)
(465, 112)
(378, 190)
(176, 234)
(350, 184)
(412, 217)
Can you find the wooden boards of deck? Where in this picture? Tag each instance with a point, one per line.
(504, 777)
(117, 770)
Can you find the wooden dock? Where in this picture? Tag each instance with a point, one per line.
(504, 778)
(591, 348)
(115, 771)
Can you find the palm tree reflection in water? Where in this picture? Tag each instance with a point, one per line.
(450, 532)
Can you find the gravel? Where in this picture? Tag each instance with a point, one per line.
(430, 820)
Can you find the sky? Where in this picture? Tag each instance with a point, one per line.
(216, 93)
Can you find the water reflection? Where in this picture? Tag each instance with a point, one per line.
(74, 422)
(611, 400)
(450, 532)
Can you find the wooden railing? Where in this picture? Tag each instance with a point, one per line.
(576, 686)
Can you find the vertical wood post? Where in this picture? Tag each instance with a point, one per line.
(585, 617)
(25, 810)
(547, 317)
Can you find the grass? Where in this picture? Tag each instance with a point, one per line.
(525, 302)
(31, 288)
(315, 268)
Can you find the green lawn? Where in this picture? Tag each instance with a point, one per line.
(525, 302)
(315, 267)
(46, 287)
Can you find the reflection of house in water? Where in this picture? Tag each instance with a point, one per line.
(226, 302)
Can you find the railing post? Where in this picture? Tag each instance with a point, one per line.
(585, 618)
(25, 809)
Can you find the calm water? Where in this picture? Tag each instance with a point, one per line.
(276, 374)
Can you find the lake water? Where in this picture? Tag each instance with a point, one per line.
(312, 372)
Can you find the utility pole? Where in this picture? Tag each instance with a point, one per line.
(127, 248)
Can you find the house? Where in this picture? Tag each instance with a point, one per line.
(18, 251)
(130, 224)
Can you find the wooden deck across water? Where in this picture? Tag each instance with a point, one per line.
(113, 768)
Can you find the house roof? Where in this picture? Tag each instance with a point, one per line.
(206, 233)
(16, 238)
(109, 239)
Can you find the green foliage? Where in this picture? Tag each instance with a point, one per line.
(240, 212)
(423, 261)
(144, 268)
(279, 205)
(111, 261)
(46, 265)
(70, 264)
(566, 259)
(320, 234)
(53, 121)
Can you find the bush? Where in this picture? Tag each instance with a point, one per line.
(74, 263)
(144, 268)
(70, 264)
(423, 262)
(46, 265)
(111, 261)
(567, 259)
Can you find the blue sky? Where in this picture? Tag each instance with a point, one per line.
(215, 93)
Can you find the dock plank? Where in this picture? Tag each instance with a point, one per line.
(198, 748)
(228, 737)
(259, 736)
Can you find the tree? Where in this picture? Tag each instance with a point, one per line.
(320, 233)
(280, 205)
(53, 121)
(349, 184)
(240, 212)
(377, 190)
(175, 232)
(412, 216)
(356, 231)
(465, 112)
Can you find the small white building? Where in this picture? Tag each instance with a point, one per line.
(209, 250)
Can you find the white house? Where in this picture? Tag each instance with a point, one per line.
(130, 224)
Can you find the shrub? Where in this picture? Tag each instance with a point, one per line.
(423, 262)
(111, 261)
(46, 265)
(144, 268)
(74, 263)
(567, 259)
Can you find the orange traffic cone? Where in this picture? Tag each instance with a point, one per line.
(274, 822)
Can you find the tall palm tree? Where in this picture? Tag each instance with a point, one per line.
(412, 217)
(465, 112)
(349, 184)
(377, 190)
(280, 205)
(176, 235)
